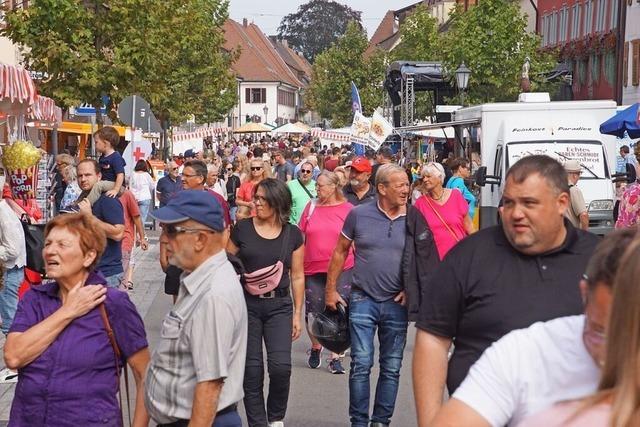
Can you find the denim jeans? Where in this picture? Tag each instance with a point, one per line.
(114, 281)
(13, 277)
(390, 319)
(144, 205)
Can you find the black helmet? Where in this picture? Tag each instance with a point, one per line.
(331, 328)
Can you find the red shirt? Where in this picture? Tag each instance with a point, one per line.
(331, 164)
(131, 210)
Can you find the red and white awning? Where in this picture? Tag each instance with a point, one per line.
(16, 85)
(200, 133)
(44, 109)
(329, 135)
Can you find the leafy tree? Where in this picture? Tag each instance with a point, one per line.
(90, 48)
(491, 39)
(334, 70)
(316, 25)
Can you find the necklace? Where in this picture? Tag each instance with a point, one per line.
(437, 198)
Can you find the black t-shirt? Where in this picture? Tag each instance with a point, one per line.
(484, 289)
(256, 252)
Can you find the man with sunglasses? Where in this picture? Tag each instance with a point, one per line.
(169, 184)
(196, 374)
(302, 190)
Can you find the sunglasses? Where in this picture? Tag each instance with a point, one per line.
(173, 230)
(256, 168)
(229, 169)
(305, 171)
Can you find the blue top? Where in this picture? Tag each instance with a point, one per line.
(110, 211)
(167, 188)
(111, 165)
(458, 182)
(73, 381)
(379, 244)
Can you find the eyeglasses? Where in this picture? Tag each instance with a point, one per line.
(259, 199)
(229, 169)
(305, 171)
(173, 230)
(256, 168)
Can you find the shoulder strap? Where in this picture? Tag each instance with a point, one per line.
(304, 188)
(455, 236)
(285, 243)
(117, 357)
(312, 207)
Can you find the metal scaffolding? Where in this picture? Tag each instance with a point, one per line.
(407, 105)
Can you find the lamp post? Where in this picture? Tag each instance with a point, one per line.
(265, 110)
(462, 80)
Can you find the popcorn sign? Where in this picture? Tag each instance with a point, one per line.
(24, 182)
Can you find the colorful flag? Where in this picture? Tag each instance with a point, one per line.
(356, 105)
(380, 130)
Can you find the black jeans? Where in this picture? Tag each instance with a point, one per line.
(269, 320)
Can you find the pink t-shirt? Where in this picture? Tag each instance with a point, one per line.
(322, 231)
(131, 210)
(564, 415)
(453, 212)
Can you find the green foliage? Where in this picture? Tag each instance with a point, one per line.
(316, 26)
(419, 39)
(333, 71)
(168, 51)
(492, 40)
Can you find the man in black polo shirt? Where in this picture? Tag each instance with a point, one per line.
(500, 279)
(359, 190)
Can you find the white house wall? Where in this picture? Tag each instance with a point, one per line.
(631, 93)
(275, 110)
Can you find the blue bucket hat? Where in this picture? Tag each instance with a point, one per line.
(197, 205)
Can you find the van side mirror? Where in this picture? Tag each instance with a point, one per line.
(629, 176)
(483, 179)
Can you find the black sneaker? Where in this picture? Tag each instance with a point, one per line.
(314, 360)
(335, 366)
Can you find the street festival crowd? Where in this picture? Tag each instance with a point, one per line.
(533, 322)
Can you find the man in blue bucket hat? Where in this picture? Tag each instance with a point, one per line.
(197, 370)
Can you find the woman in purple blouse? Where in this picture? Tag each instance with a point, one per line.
(58, 342)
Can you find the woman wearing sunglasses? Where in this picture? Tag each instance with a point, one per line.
(257, 172)
(272, 252)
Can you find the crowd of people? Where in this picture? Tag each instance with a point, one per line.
(528, 323)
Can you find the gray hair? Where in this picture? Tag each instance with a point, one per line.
(435, 169)
(385, 172)
(212, 168)
(69, 173)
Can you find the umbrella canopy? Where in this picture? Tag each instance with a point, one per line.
(304, 126)
(627, 120)
(289, 128)
(253, 128)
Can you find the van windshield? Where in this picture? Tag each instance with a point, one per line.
(590, 154)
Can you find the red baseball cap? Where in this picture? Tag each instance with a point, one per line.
(361, 164)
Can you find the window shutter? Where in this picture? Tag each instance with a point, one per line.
(625, 65)
(635, 78)
(263, 93)
(247, 96)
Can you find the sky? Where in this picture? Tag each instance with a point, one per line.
(267, 14)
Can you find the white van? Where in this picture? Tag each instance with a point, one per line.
(503, 133)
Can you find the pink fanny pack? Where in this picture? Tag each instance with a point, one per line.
(266, 279)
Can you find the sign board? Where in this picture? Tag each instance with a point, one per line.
(590, 154)
(135, 111)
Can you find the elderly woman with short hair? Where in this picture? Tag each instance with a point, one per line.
(68, 368)
(444, 209)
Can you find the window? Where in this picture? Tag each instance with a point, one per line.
(600, 15)
(588, 17)
(255, 95)
(575, 21)
(545, 30)
(286, 98)
(564, 24)
(613, 22)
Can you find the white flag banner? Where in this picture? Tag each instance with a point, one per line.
(360, 129)
(380, 130)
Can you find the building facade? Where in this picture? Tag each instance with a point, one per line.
(631, 62)
(585, 34)
(269, 89)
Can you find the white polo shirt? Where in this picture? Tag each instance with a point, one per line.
(528, 370)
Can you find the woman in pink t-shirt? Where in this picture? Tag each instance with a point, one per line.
(617, 401)
(321, 222)
(444, 209)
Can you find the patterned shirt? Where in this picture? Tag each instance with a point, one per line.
(203, 338)
(629, 212)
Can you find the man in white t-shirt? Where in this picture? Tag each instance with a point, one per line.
(530, 369)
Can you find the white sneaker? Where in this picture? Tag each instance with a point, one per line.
(276, 424)
(7, 376)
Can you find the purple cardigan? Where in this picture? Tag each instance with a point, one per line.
(73, 382)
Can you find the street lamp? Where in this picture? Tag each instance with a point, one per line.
(265, 110)
(462, 79)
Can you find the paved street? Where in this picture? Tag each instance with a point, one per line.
(317, 397)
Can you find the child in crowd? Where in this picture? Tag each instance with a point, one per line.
(111, 165)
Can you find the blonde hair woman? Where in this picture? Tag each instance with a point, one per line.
(258, 172)
(617, 402)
